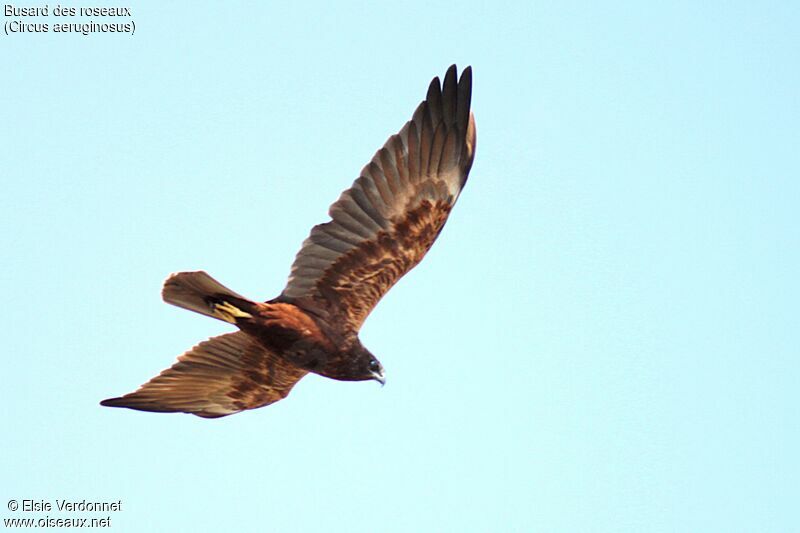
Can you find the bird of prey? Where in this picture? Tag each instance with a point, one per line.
(380, 229)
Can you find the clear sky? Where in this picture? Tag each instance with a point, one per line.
(604, 338)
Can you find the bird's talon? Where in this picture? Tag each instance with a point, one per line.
(228, 312)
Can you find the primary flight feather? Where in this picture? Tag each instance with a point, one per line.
(380, 229)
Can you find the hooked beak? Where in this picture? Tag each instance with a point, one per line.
(379, 376)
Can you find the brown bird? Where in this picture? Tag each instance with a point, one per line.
(380, 229)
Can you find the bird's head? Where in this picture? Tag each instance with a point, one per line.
(355, 364)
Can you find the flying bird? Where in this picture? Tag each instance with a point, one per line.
(380, 229)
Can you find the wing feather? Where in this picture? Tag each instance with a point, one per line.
(218, 377)
(371, 194)
(387, 221)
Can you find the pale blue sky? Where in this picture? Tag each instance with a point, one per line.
(605, 338)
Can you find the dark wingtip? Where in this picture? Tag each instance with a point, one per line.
(112, 402)
(450, 95)
(434, 86)
(135, 404)
(467, 74)
(123, 402)
(464, 100)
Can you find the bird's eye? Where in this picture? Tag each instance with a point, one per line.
(373, 365)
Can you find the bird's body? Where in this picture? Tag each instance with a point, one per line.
(380, 229)
(290, 331)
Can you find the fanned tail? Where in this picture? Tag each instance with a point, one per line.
(199, 292)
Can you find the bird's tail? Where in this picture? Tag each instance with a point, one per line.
(199, 292)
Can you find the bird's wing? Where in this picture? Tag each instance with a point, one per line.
(385, 223)
(218, 377)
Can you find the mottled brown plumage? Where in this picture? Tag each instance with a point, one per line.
(220, 376)
(380, 229)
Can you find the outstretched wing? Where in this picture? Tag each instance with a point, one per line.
(218, 377)
(387, 221)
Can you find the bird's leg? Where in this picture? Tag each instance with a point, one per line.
(228, 312)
